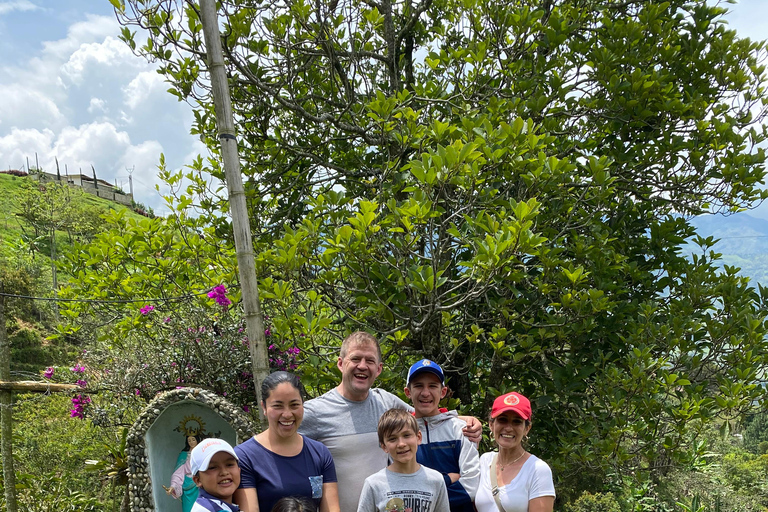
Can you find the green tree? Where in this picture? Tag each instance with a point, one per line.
(502, 187)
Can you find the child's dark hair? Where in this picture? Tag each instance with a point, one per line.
(274, 379)
(395, 420)
(294, 504)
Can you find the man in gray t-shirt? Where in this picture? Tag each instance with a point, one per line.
(345, 418)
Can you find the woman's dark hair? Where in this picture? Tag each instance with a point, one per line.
(274, 379)
(199, 438)
(294, 504)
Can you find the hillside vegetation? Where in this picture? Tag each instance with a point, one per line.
(28, 213)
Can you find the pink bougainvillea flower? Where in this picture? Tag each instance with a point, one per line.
(147, 309)
(48, 374)
(219, 294)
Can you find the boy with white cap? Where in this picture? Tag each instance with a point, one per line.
(443, 446)
(217, 474)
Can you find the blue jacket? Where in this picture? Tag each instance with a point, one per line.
(445, 449)
(208, 503)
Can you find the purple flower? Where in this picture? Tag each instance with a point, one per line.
(138, 392)
(82, 383)
(219, 294)
(48, 374)
(167, 319)
(267, 332)
(78, 368)
(146, 309)
(246, 408)
(78, 406)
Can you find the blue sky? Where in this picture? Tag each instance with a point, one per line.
(69, 88)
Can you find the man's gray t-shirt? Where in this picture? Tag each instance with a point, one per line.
(387, 491)
(348, 429)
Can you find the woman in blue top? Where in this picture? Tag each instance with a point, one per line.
(280, 462)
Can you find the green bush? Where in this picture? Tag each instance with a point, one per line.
(756, 432)
(599, 502)
(47, 440)
(49, 492)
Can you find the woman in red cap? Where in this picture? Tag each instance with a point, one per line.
(513, 480)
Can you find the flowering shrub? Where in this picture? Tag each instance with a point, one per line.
(78, 406)
(146, 309)
(203, 345)
(219, 294)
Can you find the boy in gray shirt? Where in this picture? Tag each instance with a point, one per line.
(405, 485)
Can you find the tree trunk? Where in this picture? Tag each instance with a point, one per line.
(238, 208)
(6, 416)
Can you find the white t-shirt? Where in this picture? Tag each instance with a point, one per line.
(533, 481)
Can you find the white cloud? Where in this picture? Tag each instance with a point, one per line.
(19, 145)
(89, 57)
(26, 107)
(97, 105)
(93, 29)
(101, 145)
(142, 87)
(19, 5)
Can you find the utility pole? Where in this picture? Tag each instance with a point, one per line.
(6, 415)
(130, 179)
(237, 204)
(95, 181)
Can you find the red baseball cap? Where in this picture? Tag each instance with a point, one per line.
(512, 402)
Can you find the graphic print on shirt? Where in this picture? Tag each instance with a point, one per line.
(409, 501)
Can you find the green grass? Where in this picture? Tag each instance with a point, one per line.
(10, 224)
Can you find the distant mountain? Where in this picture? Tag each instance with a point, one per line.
(743, 242)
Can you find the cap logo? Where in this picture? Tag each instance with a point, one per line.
(427, 362)
(511, 400)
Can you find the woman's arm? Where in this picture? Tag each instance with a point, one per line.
(247, 499)
(330, 500)
(542, 504)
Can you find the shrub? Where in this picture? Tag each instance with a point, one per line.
(14, 172)
(599, 502)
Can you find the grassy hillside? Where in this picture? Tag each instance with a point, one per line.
(11, 224)
(30, 322)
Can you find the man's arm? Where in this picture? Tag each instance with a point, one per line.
(469, 465)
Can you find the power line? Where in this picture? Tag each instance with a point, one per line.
(107, 301)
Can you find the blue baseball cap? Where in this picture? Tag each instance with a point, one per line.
(425, 365)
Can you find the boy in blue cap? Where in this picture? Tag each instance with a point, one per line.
(443, 446)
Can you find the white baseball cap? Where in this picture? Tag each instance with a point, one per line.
(203, 453)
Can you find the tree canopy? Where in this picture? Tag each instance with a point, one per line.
(503, 187)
